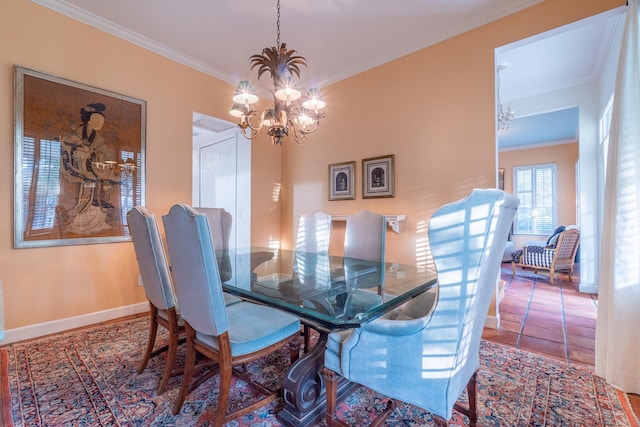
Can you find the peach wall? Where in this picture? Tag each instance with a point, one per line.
(47, 284)
(565, 157)
(434, 110)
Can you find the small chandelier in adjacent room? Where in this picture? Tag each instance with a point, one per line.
(504, 115)
(288, 116)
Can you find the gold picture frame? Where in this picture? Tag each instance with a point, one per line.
(342, 181)
(79, 161)
(378, 178)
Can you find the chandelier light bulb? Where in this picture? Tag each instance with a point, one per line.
(244, 94)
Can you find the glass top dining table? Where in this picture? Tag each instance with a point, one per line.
(326, 292)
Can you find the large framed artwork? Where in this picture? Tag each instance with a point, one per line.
(341, 181)
(378, 177)
(78, 162)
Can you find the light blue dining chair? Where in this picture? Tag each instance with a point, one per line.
(311, 267)
(311, 262)
(364, 260)
(230, 335)
(423, 355)
(158, 287)
(220, 222)
(157, 281)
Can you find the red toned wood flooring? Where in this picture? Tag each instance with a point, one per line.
(553, 320)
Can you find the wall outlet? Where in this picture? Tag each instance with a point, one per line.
(140, 280)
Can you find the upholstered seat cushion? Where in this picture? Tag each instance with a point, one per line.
(538, 256)
(253, 327)
(230, 299)
(164, 314)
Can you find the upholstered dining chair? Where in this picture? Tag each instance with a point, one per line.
(426, 355)
(365, 240)
(157, 281)
(556, 256)
(229, 336)
(312, 248)
(311, 265)
(220, 222)
(314, 232)
(158, 287)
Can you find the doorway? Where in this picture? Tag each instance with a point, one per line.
(537, 83)
(222, 173)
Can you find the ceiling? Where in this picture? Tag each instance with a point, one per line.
(341, 38)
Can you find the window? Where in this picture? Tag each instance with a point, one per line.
(535, 186)
(40, 165)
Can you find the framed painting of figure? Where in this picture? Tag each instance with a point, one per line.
(378, 177)
(341, 181)
(79, 161)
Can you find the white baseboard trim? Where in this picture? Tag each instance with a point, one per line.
(492, 322)
(590, 288)
(56, 326)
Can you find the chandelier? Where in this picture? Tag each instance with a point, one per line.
(288, 116)
(504, 115)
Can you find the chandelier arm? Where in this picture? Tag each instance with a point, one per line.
(247, 124)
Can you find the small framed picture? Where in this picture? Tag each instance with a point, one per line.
(342, 181)
(377, 177)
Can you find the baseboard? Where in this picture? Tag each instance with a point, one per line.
(56, 326)
(590, 288)
(492, 322)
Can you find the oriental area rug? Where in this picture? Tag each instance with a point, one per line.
(88, 378)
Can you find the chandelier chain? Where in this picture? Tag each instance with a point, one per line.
(278, 27)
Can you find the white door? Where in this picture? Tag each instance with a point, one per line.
(222, 179)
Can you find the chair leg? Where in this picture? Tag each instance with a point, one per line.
(172, 350)
(307, 338)
(473, 396)
(294, 349)
(223, 393)
(189, 365)
(331, 384)
(513, 269)
(471, 411)
(440, 422)
(153, 330)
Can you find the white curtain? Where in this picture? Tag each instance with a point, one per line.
(618, 324)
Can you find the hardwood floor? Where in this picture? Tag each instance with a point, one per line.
(556, 321)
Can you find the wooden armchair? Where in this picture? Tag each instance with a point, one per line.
(558, 259)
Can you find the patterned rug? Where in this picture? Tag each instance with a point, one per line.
(88, 378)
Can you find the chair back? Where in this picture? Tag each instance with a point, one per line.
(467, 240)
(314, 233)
(364, 255)
(195, 270)
(311, 264)
(567, 245)
(152, 260)
(220, 222)
(365, 236)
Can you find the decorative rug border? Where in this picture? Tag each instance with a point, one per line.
(7, 418)
(627, 408)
